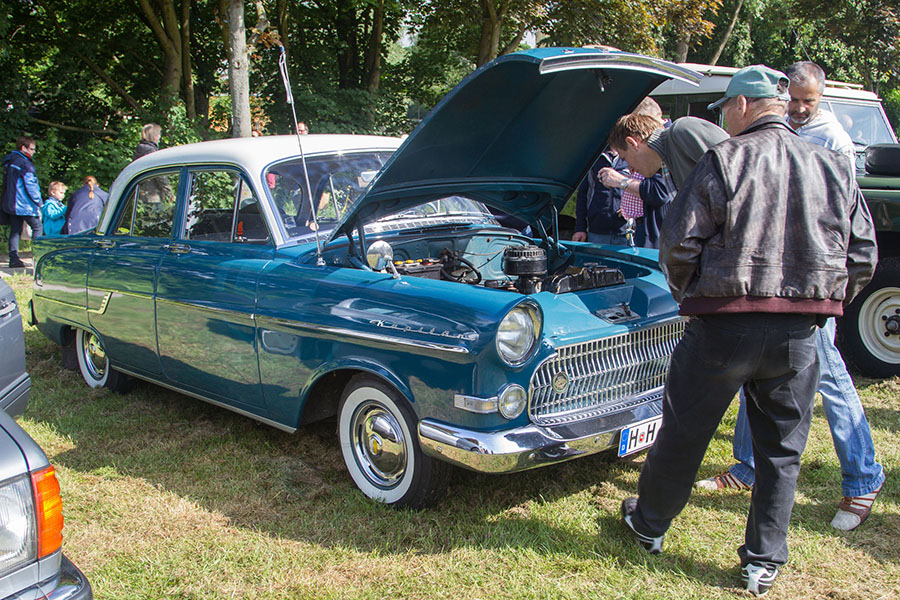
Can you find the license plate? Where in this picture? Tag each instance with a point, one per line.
(639, 436)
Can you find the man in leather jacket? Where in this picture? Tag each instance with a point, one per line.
(862, 477)
(768, 236)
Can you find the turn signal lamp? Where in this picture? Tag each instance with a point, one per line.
(48, 506)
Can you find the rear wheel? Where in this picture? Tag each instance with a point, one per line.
(94, 364)
(870, 327)
(377, 429)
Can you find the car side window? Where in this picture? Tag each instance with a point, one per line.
(126, 217)
(150, 207)
(222, 207)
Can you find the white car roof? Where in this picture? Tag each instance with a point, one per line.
(253, 154)
(716, 79)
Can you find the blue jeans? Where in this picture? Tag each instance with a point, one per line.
(860, 473)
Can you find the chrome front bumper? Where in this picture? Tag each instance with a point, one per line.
(531, 446)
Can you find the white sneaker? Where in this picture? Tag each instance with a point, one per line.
(653, 545)
(758, 578)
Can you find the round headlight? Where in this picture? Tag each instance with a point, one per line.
(518, 333)
(512, 401)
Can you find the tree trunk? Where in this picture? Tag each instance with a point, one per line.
(491, 22)
(681, 48)
(728, 31)
(513, 45)
(238, 70)
(373, 51)
(348, 55)
(168, 37)
(186, 70)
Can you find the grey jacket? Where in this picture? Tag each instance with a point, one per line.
(682, 144)
(768, 222)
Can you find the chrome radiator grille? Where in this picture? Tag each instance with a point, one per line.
(604, 375)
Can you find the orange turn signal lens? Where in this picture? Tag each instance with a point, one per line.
(48, 505)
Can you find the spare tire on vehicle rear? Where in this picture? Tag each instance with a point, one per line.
(883, 159)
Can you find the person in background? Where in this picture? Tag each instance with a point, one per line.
(808, 118)
(302, 129)
(53, 213)
(150, 136)
(862, 477)
(85, 207)
(645, 199)
(21, 200)
(647, 147)
(806, 244)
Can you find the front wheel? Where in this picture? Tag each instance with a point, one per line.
(870, 328)
(94, 364)
(377, 429)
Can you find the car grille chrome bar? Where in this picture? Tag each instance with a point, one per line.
(603, 376)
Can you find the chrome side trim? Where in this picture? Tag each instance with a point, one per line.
(103, 305)
(475, 404)
(61, 302)
(120, 292)
(210, 309)
(218, 403)
(372, 337)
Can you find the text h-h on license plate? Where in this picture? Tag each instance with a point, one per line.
(639, 436)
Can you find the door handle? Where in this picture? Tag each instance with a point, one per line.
(105, 243)
(177, 248)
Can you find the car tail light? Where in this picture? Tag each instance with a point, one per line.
(48, 505)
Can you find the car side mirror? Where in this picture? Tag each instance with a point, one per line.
(380, 255)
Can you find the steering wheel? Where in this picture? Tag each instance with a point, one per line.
(456, 268)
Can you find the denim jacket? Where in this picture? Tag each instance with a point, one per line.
(768, 222)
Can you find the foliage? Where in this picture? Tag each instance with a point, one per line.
(624, 24)
(869, 30)
(82, 77)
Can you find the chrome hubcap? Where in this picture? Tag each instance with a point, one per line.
(879, 324)
(379, 444)
(94, 355)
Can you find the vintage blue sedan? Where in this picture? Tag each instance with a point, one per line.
(293, 279)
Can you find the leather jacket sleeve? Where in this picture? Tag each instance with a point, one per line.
(692, 219)
(862, 252)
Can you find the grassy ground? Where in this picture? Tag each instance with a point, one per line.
(168, 497)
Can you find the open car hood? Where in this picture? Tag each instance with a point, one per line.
(518, 134)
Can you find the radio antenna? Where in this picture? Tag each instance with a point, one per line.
(283, 69)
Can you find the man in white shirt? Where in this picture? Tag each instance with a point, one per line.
(817, 125)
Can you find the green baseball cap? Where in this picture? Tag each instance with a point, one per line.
(756, 81)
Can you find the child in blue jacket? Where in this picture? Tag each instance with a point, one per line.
(53, 213)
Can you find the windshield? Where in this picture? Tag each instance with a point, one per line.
(865, 123)
(335, 182)
(447, 210)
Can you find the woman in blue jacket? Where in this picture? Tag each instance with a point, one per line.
(53, 213)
